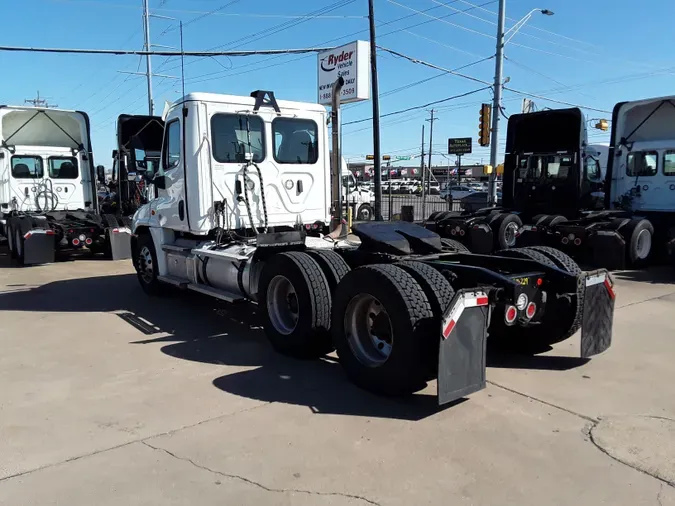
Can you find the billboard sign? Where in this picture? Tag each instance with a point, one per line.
(351, 62)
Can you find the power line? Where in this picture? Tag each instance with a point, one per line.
(131, 52)
(414, 108)
(201, 16)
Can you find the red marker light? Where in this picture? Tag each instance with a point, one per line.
(76, 242)
(540, 281)
(531, 310)
(511, 314)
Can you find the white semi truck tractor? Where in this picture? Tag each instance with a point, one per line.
(239, 178)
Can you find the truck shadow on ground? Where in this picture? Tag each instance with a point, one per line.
(663, 275)
(192, 327)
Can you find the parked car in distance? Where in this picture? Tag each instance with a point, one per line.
(477, 200)
(458, 192)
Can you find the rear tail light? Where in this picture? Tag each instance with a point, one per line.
(531, 310)
(88, 241)
(577, 241)
(315, 226)
(27, 235)
(76, 242)
(565, 240)
(50, 232)
(510, 314)
(461, 232)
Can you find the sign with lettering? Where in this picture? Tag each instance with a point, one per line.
(352, 63)
(459, 146)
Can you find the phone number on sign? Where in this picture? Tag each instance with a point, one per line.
(345, 92)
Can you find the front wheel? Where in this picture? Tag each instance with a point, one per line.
(145, 262)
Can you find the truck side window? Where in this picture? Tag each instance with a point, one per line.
(27, 167)
(295, 141)
(669, 163)
(63, 167)
(172, 145)
(642, 163)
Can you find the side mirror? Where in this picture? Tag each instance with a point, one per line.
(100, 173)
(159, 182)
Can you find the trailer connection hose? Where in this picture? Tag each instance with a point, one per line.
(45, 193)
(262, 195)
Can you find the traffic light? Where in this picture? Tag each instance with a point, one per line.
(386, 158)
(370, 157)
(484, 125)
(602, 124)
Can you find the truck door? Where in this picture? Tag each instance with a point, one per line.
(171, 204)
(666, 194)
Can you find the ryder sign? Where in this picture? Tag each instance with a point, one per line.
(351, 62)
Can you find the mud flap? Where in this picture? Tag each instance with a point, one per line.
(120, 243)
(39, 247)
(598, 317)
(463, 342)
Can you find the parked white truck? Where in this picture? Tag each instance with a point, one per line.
(238, 180)
(48, 195)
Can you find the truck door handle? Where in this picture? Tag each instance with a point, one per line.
(299, 186)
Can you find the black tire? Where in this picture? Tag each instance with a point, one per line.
(145, 263)
(500, 225)
(562, 260)
(364, 210)
(10, 241)
(453, 244)
(405, 369)
(332, 265)
(19, 246)
(305, 334)
(632, 233)
(539, 218)
(563, 313)
(439, 292)
(551, 221)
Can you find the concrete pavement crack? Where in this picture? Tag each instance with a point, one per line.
(658, 496)
(599, 447)
(536, 399)
(255, 483)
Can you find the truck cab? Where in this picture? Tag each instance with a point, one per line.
(46, 165)
(257, 162)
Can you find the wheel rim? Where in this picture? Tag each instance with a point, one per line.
(17, 242)
(369, 330)
(510, 234)
(146, 267)
(644, 244)
(364, 214)
(282, 305)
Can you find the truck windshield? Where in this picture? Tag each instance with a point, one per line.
(63, 167)
(27, 167)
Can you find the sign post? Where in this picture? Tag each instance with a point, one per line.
(459, 146)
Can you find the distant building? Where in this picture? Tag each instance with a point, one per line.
(363, 171)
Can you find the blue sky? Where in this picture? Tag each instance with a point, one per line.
(592, 53)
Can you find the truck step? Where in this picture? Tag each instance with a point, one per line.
(173, 247)
(214, 292)
(174, 280)
(219, 254)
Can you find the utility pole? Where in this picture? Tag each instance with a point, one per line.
(148, 62)
(497, 103)
(427, 176)
(39, 102)
(376, 113)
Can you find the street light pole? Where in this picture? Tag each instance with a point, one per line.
(497, 102)
(497, 89)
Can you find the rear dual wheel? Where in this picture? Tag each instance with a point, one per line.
(385, 325)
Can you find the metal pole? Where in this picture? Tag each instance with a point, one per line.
(376, 113)
(424, 177)
(459, 169)
(497, 102)
(422, 163)
(391, 200)
(148, 63)
(336, 156)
